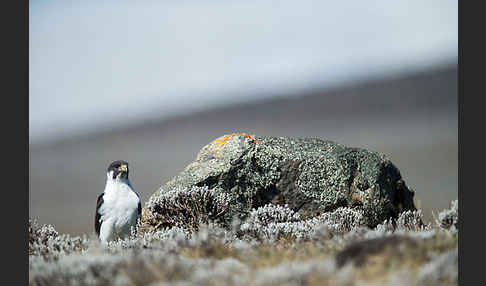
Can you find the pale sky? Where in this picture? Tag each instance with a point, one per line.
(102, 64)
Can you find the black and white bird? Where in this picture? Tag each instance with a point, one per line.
(118, 208)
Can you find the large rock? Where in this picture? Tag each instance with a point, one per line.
(309, 175)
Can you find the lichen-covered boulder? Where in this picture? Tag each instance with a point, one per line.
(311, 176)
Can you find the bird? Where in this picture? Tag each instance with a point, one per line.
(119, 207)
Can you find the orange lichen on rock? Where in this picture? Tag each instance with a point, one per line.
(227, 137)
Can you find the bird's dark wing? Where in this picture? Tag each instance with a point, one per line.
(139, 205)
(99, 203)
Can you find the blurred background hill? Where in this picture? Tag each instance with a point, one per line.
(152, 82)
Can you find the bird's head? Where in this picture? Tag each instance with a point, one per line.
(118, 169)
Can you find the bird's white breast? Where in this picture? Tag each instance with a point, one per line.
(119, 211)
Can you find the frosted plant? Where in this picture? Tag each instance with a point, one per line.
(273, 222)
(215, 256)
(166, 240)
(408, 223)
(197, 249)
(411, 221)
(449, 219)
(386, 226)
(45, 241)
(272, 213)
(343, 219)
(124, 268)
(188, 208)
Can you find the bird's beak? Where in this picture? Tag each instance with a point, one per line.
(123, 168)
